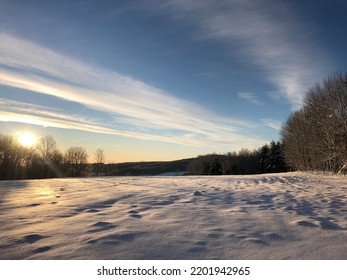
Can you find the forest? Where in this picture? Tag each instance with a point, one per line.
(313, 138)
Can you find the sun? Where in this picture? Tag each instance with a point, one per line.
(27, 139)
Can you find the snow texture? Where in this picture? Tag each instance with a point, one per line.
(272, 216)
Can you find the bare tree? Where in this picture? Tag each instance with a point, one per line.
(51, 157)
(14, 158)
(76, 161)
(46, 146)
(295, 136)
(9, 157)
(99, 158)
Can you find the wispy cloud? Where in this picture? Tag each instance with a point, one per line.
(249, 97)
(272, 123)
(29, 66)
(267, 34)
(13, 111)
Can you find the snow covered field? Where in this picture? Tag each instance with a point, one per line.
(271, 216)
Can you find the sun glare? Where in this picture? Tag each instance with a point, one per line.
(27, 139)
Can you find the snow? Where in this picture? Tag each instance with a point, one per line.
(173, 173)
(272, 216)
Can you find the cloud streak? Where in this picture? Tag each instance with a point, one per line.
(266, 33)
(272, 123)
(29, 66)
(249, 97)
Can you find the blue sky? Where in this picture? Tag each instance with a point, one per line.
(163, 80)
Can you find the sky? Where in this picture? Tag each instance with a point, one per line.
(163, 80)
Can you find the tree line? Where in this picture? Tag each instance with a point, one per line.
(315, 136)
(267, 159)
(44, 160)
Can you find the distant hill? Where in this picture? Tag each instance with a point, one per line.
(146, 168)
